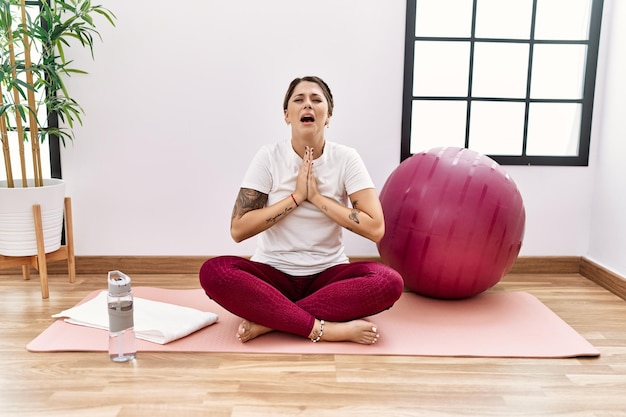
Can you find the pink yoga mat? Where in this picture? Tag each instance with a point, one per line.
(502, 324)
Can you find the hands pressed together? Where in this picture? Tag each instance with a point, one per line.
(306, 184)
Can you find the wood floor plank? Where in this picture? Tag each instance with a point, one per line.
(239, 385)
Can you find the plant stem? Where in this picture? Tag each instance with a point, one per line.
(18, 120)
(34, 139)
(5, 146)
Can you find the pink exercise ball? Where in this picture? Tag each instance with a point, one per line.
(454, 222)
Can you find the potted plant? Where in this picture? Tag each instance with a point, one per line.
(33, 39)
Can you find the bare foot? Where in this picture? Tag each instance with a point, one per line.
(357, 331)
(249, 330)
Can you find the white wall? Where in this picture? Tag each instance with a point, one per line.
(179, 99)
(607, 243)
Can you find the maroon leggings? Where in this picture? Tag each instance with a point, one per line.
(264, 295)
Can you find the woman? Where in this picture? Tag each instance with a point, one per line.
(295, 195)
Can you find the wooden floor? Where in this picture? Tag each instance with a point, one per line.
(220, 385)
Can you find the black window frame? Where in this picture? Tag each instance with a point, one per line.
(582, 159)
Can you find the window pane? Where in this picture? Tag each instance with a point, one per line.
(503, 19)
(553, 129)
(39, 95)
(28, 157)
(437, 123)
(36, 46)
(497, 128)
(441, 68)
(434, 18)
(500, 70)
(563, 19)
(558, 71)
(16, 20)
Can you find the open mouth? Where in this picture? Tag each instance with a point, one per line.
(307, 119)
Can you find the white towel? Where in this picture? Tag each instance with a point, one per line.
(155, 321)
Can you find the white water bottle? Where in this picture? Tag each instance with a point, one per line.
(121, 322)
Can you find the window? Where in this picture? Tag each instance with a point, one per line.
(511, 79)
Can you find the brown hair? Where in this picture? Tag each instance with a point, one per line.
(313, 79)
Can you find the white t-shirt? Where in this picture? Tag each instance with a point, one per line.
(306, 241)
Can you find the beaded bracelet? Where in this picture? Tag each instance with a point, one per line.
(319, 336)
(294, 200)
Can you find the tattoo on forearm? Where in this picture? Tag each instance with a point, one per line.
(275, 218)
(354, 216)
(248, 200)
(324, 208)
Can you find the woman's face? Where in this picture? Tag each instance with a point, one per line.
(307, 109)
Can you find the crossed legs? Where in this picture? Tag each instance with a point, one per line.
(267, 299)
